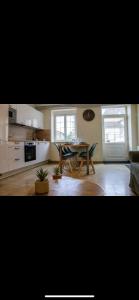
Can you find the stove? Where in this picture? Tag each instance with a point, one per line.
(30, 151)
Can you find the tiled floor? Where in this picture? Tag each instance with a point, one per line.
(113, 179)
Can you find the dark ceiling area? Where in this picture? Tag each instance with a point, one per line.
(72, 99)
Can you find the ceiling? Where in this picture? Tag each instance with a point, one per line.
(65, 105)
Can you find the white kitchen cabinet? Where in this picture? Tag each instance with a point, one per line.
(3, 158)
(13, 106)
(22, 114)
(15, 156)
(42, 151)
(37, 118)
(29, 116)
(4, 122)
(40, 120)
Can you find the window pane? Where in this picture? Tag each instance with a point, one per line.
(114, 110)
(60, 132)
(114, 130)
(71, 127)
(65, 127)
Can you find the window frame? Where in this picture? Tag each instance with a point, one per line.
(114, 116)
(64, 114)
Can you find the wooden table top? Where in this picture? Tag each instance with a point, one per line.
(68, 186)
(76, 145)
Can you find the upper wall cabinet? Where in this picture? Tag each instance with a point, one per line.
(40, 120)
(13, 106)
(29, 116)
(22, 114)
(4, 122)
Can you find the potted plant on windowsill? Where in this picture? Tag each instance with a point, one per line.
(42, 184)
(57, 174)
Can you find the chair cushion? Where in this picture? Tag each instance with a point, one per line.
(83, 154)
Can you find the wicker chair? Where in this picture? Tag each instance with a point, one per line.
(83, 156)
(66, 156)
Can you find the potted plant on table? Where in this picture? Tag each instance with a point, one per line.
(57, 174)
(42, 184)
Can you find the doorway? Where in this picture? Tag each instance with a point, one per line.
(115, 134)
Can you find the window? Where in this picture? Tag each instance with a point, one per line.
(64, 125)
(114, 124)
(121, 110)
(114, 129)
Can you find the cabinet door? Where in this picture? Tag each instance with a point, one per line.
(22, 114)
(42, 151)
(3, 158)
(45, 151)
(40, 120)
(28, 118)
(13, 106)
(4, 122)
(35, 121)
(38, 152)
(15, 157)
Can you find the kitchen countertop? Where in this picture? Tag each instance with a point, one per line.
(23, 141)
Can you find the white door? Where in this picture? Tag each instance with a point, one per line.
(115, 138)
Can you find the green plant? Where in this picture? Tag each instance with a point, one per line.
(42, 174)
(57, 171)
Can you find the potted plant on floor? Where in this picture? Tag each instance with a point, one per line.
(57, 174)
(42, 184)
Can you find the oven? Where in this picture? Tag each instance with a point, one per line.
(30, 151)
(12, 115)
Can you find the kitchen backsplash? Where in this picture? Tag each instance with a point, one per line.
(43, 135)
(23, 133)
(20, 133)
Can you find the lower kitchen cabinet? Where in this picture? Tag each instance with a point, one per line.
(3, 158)
(12, 155)
(42, 151)
(15, 156)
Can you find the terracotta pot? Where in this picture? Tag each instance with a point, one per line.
(55, 177)
(41, 187)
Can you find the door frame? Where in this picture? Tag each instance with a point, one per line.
(126, 132)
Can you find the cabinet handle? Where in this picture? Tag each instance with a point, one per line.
(17, 158)
(16, 148)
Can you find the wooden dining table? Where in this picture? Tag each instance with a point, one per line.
(78, 147)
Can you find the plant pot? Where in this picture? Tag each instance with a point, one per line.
(41, 187)
(55, 177)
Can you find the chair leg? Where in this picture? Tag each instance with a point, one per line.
(92, 164)
(81, 165)
(70, 165)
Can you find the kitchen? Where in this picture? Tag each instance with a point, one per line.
(23, 140)
(28, 134)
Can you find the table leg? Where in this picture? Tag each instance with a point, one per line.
(87, 161)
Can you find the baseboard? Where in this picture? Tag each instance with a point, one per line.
(116, 162)
(24, 169)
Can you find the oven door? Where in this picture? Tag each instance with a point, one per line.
(30, 153)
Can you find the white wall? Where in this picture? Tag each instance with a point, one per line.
(132, 126)
(89, 131)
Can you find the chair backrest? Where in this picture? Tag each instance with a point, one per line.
(58, 148)
(92, 149)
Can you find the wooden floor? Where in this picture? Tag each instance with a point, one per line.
(113, 179)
